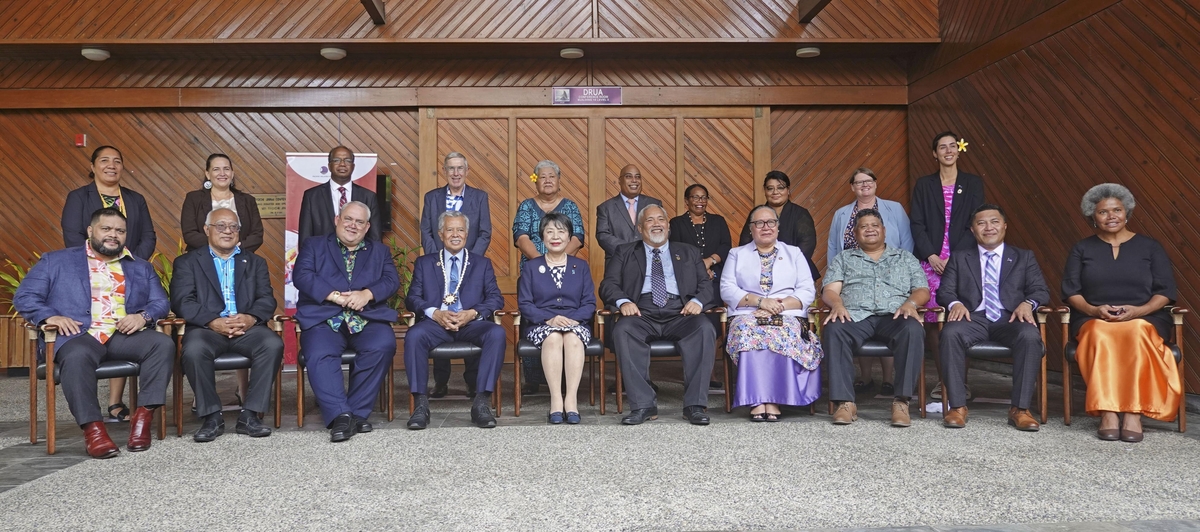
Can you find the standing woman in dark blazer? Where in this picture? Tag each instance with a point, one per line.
(105, 190)
(219, 191)
(557, 300)
(706, 231)
(796, 226)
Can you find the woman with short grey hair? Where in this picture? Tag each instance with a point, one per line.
(1118, 284)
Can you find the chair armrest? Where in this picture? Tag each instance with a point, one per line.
(1177, 314)
(724, 312)
(1064, 314)
(516, 315)
(941, 314)
(1043, 314)
(408, 318)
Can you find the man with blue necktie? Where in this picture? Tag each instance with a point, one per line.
(990, 293)
(454, 293)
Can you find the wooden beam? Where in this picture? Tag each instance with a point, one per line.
(808, 9)
(375, 10)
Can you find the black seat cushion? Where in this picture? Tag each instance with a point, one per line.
(455, 350)
(989, 349)
(525, 348)
(347, 358)
(1069, 351)
(228, 361)
(873, 348)
(663, 348)
(111, 369)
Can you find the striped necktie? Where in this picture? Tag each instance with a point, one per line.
(991, 287)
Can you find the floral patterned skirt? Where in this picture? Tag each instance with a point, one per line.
(538, 333)
(791, 340)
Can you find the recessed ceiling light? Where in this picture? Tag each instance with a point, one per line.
(333, 54)
(571, 53)
(808, 51)
(95, 54)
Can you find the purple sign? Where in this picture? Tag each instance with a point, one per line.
(586, 96)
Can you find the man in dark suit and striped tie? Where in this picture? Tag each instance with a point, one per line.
(322, 203)
(990, 293)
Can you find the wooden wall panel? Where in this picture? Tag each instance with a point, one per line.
(649, 144)
(717, 19)
(967, 24)
(719, 154)
(1106, 100)
(818, 148)
(485, 143)
(563, 141)
(747, 72)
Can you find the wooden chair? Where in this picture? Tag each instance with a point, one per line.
(387, 390)
(592, 352)
(659, 350)
(453, 350)
(994, 350)
(223, 362)
(1068, 357)
(111, 369)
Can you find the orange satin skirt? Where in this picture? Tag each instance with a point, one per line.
(1128, 368)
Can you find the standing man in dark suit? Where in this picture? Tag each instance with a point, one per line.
(616, 217)
(344, 281)
(225, 296)
(660, 288)
(104, 303)
(322, 203)
(473, 202)
(454, 294)
(991, 292)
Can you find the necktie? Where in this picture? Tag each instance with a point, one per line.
(456, 305)
(991, 287)
(342, 202)
(632, 208)
(658, 280)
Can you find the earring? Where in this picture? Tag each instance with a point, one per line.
(207, 185)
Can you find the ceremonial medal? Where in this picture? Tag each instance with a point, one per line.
(449, 299)
(453, 296)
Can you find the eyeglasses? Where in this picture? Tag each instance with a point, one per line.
(863, 183)
(349, 160)
(225, 228)
(759, 224)
(353, 222)
(698, 198)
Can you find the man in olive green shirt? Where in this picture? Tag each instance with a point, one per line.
(874, 292)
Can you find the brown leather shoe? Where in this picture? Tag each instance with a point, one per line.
(97, 442)
(900, 416)
(956, 418)
(1130, 436)
(140, 426)
(1022, 420)
(846, 413)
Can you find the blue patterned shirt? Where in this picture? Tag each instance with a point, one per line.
(225, 275)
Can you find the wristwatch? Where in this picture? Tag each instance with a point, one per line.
(146, 316)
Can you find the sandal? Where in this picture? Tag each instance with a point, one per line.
(771, 417)
(887, 389)
(860, 386)
(758, 417)
(118, 413)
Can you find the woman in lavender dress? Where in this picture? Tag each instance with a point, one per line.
(768, 287)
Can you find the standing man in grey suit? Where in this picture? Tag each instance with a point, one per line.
(322, 202)
(991, 292)
(660, 288)
(473, 202)
(616, 217)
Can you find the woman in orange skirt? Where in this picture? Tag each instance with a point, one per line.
(1118, 284)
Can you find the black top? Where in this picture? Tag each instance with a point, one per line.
(717, 240)
(1140, 271)
(796, 227)
(927, 212)
(198, 203)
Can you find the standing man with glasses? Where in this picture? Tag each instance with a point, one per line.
(322, 203)
(473, 202)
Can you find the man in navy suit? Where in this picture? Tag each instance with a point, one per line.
(322, 203)
(454, 292)
(473, 202)
(344, 281)
(225, 296)
(990, 292)
(104, 303)
(660, 288)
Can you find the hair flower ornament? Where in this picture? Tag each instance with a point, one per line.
(962, 144)
(533, 178)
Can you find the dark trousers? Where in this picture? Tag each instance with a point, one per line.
(78, 358)
(441, 371)
(427, 334)
(202, 346)
(694, 336)
(1024, 339)
(374, 346)
(904, 336)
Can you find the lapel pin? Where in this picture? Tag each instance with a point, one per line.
(542, 269)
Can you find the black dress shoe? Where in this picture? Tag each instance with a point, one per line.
(439, 390)
(696, 415)
(214, 425)
(471, 391)
(641, 415)
(362, 425)
(249, 424)
(481, 411)
(420, 417)
(342, 428)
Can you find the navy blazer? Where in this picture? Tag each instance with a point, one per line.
(316, 211)
(83, 201)
(475, 206)
(320, 270)
(196, 287)
(928, 215)
(59, 285)
(539, 300)
(1020, 279)
(477, 287)
(625, 275)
